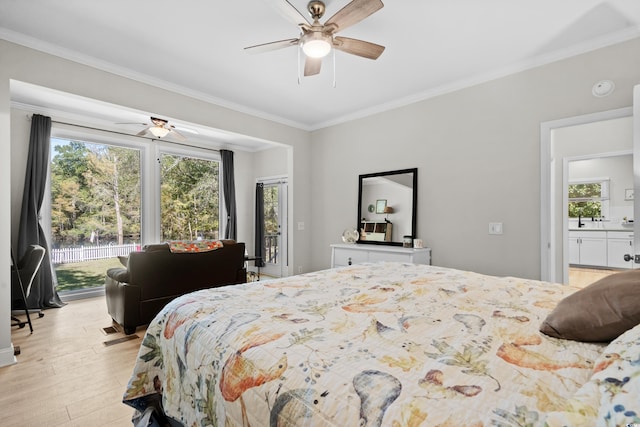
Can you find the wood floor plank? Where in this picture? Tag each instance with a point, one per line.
(65, 375)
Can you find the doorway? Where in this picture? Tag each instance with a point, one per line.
(275, 226)
(598, 215)
(554, 149)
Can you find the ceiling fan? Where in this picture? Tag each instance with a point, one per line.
(317, 40)
(160, 128)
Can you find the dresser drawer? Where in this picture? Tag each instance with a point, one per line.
(347, 257)
(389, 256)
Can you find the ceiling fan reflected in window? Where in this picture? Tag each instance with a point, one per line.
(316, 40)
(159, 128)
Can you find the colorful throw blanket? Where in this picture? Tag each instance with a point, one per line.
(381, 345)
(182, 246)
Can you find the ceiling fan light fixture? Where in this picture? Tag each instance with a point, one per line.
(316, 44)
(159, 131)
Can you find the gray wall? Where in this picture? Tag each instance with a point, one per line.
(27, 65)
(477, 151)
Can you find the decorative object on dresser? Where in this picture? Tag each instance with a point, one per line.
(381, 194)
(350, 235)
(342, 254)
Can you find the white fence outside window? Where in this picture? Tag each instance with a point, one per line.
(86, 253)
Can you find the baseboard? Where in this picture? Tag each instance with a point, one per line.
(81, 294)
(7, 357)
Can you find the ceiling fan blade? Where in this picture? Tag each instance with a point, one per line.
(358, 47)
(178, 135)
(266, 47)
(287, 10)
(353, 13)
(142, 132)
(312, 66)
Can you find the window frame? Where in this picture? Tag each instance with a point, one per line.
(150, 150)
(163, 147)
(603, 199)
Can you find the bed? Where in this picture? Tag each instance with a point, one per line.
(383, 344)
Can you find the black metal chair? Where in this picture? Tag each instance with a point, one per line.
(22, 277)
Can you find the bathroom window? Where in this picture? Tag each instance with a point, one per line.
(589, 199)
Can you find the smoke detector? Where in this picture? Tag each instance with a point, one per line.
(603, 88)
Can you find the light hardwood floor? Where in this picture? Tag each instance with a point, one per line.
(65, 375)
(580, 276)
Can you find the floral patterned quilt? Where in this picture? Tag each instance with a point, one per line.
(385, 344)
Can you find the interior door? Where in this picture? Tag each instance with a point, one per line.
(275, 227)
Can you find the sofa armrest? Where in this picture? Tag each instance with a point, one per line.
(123, 300)
(119, 274)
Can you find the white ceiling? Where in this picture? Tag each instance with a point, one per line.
(432, 46)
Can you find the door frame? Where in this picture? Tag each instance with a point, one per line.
(548, 227)
(636, 167)
(283, 214)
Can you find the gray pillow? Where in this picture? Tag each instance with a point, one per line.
(598, 313)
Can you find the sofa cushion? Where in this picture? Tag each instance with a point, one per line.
(124, 260)
(156, 247)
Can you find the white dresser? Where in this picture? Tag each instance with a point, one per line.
(347, 254)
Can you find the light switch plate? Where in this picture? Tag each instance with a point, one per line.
(495, 228)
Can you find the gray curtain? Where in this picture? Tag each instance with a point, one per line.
(259, 242)
(43, 291)
(229, 188)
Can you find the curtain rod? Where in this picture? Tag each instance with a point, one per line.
(128, 134)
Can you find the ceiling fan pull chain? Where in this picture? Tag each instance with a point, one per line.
(334, 68)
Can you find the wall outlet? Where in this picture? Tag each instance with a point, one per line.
(301, 225)
(299, 269)
(495, 228)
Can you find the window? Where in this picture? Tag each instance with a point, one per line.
(589, 199)
(95, 210)
(189, 198)
(108, 199)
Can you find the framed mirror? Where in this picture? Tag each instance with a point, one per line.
(387, 203)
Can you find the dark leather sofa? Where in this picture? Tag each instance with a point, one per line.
(155, 276)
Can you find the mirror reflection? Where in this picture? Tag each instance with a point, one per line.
(387, 206)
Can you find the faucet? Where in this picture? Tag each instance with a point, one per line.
(580, 223)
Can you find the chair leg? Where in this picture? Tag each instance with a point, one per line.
(20, 324)
(24, 297)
